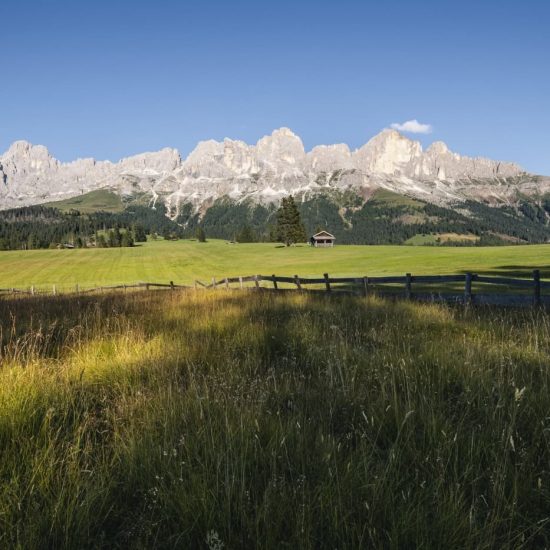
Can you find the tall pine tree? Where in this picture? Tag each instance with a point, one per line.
(290, 229)
(200, 235)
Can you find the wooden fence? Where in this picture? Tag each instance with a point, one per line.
(464, 288)
(76, 289)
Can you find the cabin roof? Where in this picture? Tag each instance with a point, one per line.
(323, 235)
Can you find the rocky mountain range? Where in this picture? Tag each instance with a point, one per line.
(276, 166)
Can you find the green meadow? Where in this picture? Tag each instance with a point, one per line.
(215, 419)
(183, 261)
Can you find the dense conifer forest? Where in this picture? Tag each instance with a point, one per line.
(377, 221)
(45, 227)
(386, 218)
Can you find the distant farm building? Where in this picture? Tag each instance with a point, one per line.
(322, 239)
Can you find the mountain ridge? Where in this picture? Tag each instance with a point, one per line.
(277, 165)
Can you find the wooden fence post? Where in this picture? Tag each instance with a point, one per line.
(213, 282)
(257, 281)
(468, 289)
(536, 289)
(327, 281)
(226, 283)
(32, 290)
(366, 285)
(171, 285)
(274, 281)
(297, 281)
(53, 290)
(408, 286)
(241, 282)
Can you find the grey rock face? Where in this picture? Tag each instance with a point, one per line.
(276, 166)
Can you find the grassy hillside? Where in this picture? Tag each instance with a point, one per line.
(192, 420)
(183, 261)
(441, 238)
(389, 198)
(101, 200)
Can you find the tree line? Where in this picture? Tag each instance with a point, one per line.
(35, 227)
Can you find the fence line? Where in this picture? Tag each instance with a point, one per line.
(77, 290)
(362, 285)
(355, 285)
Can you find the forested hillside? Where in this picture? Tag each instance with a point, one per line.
(386, 218)
(46, 227)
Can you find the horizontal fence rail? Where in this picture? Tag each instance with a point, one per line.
(406, 286)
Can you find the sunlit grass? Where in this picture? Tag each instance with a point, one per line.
(184, 261)
(171, 419)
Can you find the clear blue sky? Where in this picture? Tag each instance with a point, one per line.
(112, 78)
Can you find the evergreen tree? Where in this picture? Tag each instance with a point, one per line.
(126, 239)
(139, 232)
(290, 229)
(31, 242)
(201, 235)
(118, 236)
(100, 241)
(245, 235)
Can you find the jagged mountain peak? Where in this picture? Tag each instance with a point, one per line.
(204, 149)
(389, 134)
(284, 132)
(328, 158)
(279, 137)
(22, 148)
(275, 166)
(438, 148)
(280, 150)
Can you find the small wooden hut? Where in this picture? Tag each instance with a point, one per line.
(322, 239)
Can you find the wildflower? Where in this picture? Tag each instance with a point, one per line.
(518, 394)
(213, 540)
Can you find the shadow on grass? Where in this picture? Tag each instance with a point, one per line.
(512, 271)
(286, 420)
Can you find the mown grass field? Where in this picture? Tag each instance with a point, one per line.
(255, 420)
(183, 261)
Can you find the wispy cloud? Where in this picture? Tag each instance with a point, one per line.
(413, 127)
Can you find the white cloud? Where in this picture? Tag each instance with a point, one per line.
(413, 127)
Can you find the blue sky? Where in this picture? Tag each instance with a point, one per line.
(111, 79)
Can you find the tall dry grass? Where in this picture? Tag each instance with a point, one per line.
(251, 420)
